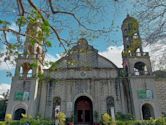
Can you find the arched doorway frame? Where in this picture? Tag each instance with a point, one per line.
(151, 104)
(19, 106)
(77, 97)
(18, 112)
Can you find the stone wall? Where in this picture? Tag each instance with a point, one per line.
(70, 90)
(161, 93)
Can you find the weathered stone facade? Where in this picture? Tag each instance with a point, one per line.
(161, 93)
(83, 82)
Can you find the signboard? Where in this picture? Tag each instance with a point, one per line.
(144, 94)
(21, 96)
(26, 96)
(149, 94)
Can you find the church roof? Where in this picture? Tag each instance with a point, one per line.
(83, 55)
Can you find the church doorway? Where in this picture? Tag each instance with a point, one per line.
(83, 113)
(147, 111)
(18, 113)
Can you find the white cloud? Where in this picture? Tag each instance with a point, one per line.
(157, 52)
(51, 58)
(4, 87)
(6, 65)
(113, 53)
(14, 27)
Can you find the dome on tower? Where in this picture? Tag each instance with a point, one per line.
(129, 20)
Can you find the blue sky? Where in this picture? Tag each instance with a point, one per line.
(113, 14)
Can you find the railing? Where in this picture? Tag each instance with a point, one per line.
(26, 76)
(141, 73)
(139, 54)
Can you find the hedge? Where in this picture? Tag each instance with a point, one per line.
(159, 121)
(32, 122)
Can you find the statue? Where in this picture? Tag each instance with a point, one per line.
(56, 115)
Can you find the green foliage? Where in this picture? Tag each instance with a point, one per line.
(48, 43)
(32, 42)
(35, 19)
(136, 43)
(33, 65)
(3, 106)
(21, 21)
(106, 119)
(31, 121)
(41, 76)
(2, 123)
(133, 23)
(124, 117)
(159, 121)
(2, 22)
(123, 73)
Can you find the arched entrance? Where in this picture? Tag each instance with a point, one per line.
(18, 113)
(147, 111)
(83, 111)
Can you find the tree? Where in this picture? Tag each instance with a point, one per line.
(152, 16)
(3, 105)
(59, 18)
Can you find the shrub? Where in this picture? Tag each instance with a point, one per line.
(124, 117)
(32, 122)
(2, 123)
(106, 119)
(159, 121)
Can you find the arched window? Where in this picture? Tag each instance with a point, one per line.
(147, 111)
(29, 75)
(138, 52)
(110, 103)
(21, 71)
(140, 69)
(56, 105)
(26, 70)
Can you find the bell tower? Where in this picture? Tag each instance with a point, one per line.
(25, 82)
(138, 80)
(131, 37)
(133, 53)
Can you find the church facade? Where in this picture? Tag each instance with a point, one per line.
(84, 84)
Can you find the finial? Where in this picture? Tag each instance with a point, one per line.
(82, 41)
(128, 15)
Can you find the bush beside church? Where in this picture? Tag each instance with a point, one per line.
(160, 121)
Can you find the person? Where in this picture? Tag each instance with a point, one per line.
(56, 116)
